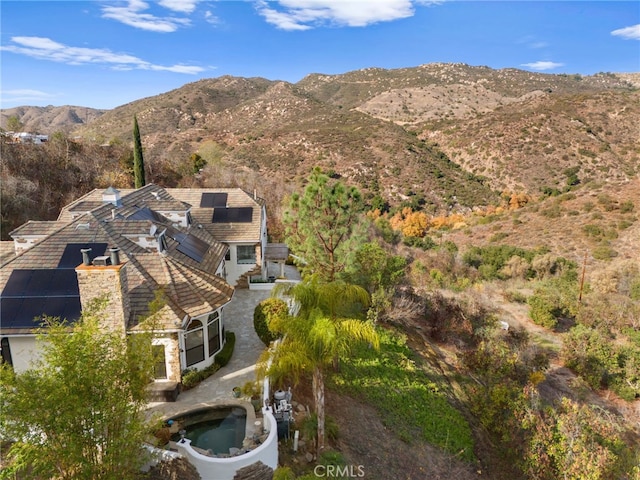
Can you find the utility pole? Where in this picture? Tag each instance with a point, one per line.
(584, 268)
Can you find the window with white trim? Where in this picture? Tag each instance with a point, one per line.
(213, 333)
(194, 343)
(246, 254)
(160, 362)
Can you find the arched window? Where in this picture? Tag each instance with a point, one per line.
(194, 343)
(213, 333)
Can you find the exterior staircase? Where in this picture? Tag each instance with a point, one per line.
(243, 281)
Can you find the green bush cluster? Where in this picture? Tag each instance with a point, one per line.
(424, 243)
(602, 363)
(262, 314)
(223, 357)
(192, 377)
(490, 260)
(554, 299)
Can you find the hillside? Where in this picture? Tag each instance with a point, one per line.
(442, 139)
(398, 133)
(48, 120)
(446, 136)
(439, 137)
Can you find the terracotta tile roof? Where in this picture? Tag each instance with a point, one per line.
(164, 205)
(191, 287)
(7, 251)
(224, 232)
(86, 206)
(34, 227)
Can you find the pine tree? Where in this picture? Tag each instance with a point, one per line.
(138, 161)
(324, 226)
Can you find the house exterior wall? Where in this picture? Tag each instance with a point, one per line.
(24, 351)
(234, 269)
(263, 243)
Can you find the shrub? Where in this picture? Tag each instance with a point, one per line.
(515, 296)
(284, 473)
(223, 357)
(309, 427)
(192, 377)
(492, 259)
(424, 243)
(541, 311)
(604, 252)
(590, 354)
(554, 299)
(627, 207)
(262, 314)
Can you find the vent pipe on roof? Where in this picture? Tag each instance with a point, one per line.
(86, 259)
(115, 255)
(255, 194)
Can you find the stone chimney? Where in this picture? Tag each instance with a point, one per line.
(110, 281)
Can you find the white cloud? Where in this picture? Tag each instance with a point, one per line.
(532, 42)
(538, 45)
(47, 49)
(183, 6)
(132, 15)
(542, 65)
(24, 95)
(306, 14)
(211, 18)
(628, 33)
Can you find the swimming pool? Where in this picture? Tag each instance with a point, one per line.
(214, 430)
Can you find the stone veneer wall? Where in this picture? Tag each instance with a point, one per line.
(258, 254)
(172, 355)
(110, 281)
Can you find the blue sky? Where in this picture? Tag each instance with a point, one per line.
(105, 54)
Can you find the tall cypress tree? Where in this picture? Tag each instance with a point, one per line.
(138, 161)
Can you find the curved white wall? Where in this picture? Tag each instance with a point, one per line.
(211, 468)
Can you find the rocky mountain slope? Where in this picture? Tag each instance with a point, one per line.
(450, 136)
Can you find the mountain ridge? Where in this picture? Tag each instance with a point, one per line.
(450, 136)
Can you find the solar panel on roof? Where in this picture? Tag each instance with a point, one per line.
(34, 293)
(44, 282)
(193, 247)
(28, 312)
(212, 200)
(232, 215)
(192, 254)
(72, 257)
(146, 214)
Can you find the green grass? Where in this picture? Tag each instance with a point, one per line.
(409, 401)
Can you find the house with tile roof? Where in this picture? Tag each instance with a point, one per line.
(132, 246)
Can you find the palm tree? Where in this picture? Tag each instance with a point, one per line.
(320, 330)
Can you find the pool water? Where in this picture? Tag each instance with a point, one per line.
(217, 429)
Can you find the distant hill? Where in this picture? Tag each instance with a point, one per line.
(48, 120)
(451, 136)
